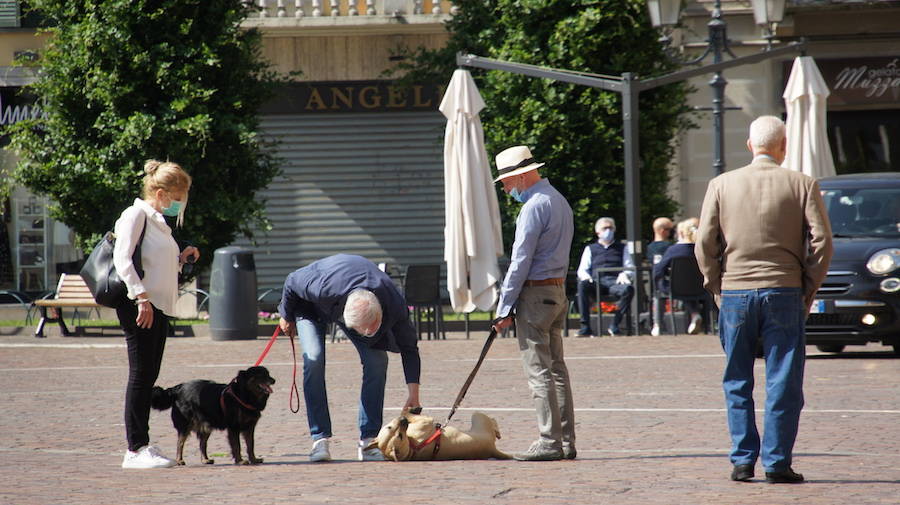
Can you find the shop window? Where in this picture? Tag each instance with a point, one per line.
(865, 141)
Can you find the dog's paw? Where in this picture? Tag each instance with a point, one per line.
(180, 462)
(241, 462)
(256, 461)
(207, 461)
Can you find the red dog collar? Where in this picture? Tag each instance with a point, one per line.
(435, 437)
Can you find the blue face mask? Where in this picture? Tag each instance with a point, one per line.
(173, 209)
(514, 193)
(607, 235)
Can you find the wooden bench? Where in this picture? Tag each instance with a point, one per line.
(71, 292)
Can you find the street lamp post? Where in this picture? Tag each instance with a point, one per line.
(767, 13)
(629, 86)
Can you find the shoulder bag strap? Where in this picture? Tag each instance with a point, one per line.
(136, 255)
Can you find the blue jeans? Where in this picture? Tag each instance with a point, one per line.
(776, 317)
(371, 396)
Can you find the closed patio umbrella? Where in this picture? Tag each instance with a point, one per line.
(472, 234)
(805, 97)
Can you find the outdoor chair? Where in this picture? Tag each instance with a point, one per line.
(422, 289)
(686, 283)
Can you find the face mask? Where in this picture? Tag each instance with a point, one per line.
(173, 209)
(514, 193)
(607, 235)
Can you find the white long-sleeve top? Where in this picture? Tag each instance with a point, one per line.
(159, 256)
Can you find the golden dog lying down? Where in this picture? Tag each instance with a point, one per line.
(412, 437)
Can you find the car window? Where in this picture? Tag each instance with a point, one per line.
(871, 212)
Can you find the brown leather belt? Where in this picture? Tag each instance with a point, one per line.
(546, 282)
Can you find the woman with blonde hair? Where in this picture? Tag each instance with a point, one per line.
(152, 295)
(686, 232)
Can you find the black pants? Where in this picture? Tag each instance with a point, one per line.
(145, 352)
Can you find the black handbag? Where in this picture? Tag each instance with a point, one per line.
(99, 271)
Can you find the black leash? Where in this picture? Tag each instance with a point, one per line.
(465, 387)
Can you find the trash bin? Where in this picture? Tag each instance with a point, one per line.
(232, 295)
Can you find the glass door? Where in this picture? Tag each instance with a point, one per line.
(29, 214)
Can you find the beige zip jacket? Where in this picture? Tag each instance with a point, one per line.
(764, 226)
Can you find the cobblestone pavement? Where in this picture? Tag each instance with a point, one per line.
(650, 423)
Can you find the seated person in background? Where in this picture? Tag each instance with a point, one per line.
(663, 229)
(687, 230)
(604, 253)
(663, 233)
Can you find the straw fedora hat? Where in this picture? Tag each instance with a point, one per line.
(514, 161)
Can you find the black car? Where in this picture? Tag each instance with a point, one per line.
(859, 302)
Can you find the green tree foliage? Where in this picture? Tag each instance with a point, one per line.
(123, 81)
(576, 130)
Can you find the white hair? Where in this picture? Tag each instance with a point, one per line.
(604, 220)
(766, 132)
(361, 310)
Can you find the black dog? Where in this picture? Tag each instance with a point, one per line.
(202, 406)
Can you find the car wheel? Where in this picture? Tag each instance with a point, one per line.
(835, 348)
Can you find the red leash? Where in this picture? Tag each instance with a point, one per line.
(294, 391)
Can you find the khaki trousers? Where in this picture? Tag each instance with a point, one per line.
(540, 313)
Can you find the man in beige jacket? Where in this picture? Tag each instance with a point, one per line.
(763, 246)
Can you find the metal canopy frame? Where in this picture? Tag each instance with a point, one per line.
(629, 86)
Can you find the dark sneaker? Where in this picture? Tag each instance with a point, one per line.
(584, 332)
(539, 452)
(742, 473)
(788, 476)
(569, 452)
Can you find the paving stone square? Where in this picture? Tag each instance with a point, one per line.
(650, 424)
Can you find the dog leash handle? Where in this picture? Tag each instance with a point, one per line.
(295, 392)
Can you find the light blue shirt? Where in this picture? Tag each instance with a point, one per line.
(544, 232)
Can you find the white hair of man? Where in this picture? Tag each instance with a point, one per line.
(766, 132)
(599, 223)
(362, 311)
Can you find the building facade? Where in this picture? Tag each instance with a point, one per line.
(363, 162)
(363, 166)
(856, 46)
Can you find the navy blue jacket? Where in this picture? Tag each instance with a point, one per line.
(661, 269)
(319, 291)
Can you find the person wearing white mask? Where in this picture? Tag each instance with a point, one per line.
(533, 295)
(152, 293)
(604, 253)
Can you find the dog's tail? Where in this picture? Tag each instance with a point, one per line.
(162, 399)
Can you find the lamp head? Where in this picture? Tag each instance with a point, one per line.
(664, 13)
(768, 12)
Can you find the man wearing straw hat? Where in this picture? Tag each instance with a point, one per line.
(534, 289)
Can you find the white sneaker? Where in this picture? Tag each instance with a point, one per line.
(146, 457)
(320, 451)
(694, 327)
(654, 331)
(373, 454)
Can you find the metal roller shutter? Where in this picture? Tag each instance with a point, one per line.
(367, 184)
